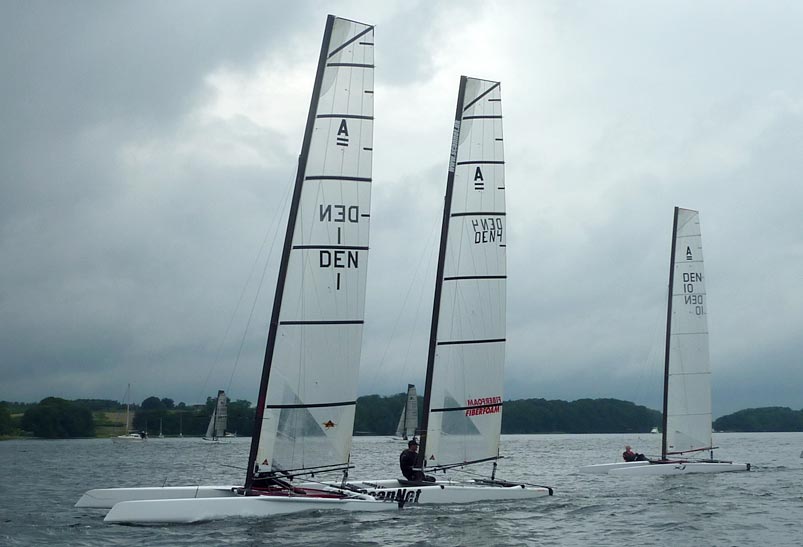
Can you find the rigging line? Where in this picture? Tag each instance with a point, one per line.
(418, 316)
(219, 351)
(261, 281)
(393, 331)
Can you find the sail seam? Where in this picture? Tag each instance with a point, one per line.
(483, 162)
(314, 405)
(458, 342)
(350, 41)
(482, 117)
(345, 322)
(351, 65)
(472, 213)
(462, 277)
(472, 103)
(347, 116)
(336, 177)
(344, 247)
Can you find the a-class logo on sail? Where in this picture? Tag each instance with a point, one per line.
(343, 134)
(688, 253)
(479, 180)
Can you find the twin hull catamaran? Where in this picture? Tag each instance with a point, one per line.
(307, 393)
(462, 416)
(686, 426)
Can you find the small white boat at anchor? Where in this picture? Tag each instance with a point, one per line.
(130, 435)
(686, 430)
(307, 393)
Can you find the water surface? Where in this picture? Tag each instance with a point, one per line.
(42, 480)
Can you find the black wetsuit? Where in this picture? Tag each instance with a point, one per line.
(407, 462)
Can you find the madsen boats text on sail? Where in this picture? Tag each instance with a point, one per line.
(307, 394)
(462, 416)
(686, 427)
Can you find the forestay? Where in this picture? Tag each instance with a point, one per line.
(313, 354)
(688, 419)
(463, 409)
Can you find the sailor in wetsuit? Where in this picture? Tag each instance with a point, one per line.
(629, 456)
(407, 461)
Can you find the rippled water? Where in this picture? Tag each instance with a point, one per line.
(41, 480)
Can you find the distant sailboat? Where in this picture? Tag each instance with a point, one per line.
(687, 387)
(408, 421)
(130, 435)
(219, 419)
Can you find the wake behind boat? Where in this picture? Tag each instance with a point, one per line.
(307, 393)
(462, 415)
(686, 429)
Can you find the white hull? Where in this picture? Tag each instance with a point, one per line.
(604, 468)
(106, 498)
(443, 492)
(681, 468)
(384, 490)
(202, 509)
(128, 439)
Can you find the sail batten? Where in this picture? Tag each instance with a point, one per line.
(305, 411)
(467, 342)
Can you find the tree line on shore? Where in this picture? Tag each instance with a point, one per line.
(375, 415)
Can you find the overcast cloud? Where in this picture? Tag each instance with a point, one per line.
(147, 150)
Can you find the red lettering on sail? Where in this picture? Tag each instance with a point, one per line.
(484, 405)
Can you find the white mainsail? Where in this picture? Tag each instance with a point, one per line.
(463, 405)
(688, 390)
(313, 354)
(687, 375)
(408, 421)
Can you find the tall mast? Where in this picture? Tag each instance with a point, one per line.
(447, 209)
(668, 332)
(288, 243)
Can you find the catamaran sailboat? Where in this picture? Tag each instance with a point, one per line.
(218, 421)
(462, 416)
(307, 394)
(408, 421)
(686, 429)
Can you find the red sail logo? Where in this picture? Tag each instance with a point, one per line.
(484, 405)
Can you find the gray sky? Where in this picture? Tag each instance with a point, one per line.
(147, 150)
